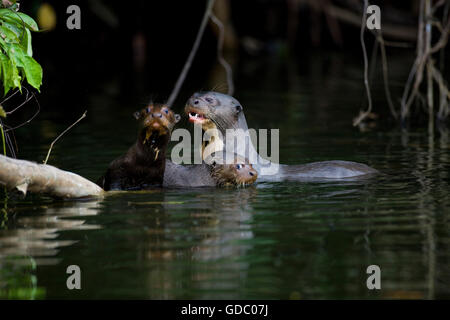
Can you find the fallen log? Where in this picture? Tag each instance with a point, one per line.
(26, 176)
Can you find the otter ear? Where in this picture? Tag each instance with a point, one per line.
(177, 117)
(238, 108)
(137, 115)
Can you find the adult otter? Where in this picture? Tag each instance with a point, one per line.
(238, 173)
(144, 163)
(213, 110)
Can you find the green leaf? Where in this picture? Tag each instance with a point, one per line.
(29, 48)
(15, 77)
(6, 71)
(20, 18)
(15, 53)
(10, 74)
(18, 30)
(29, 66)
(21, 36)
(29, 21)
(8, 35)
(33, 72)
(2, 112)
(16, 62)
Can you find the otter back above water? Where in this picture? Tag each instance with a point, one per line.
(322, 170)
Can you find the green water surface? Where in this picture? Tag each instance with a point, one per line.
(268, 241)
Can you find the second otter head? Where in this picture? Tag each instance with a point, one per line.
(238, 173)
(157, 118)
(213, 110)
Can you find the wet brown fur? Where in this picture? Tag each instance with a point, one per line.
(233, 175)
(143, 165)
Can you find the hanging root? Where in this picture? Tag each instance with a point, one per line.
(444, 105)
(220, 43)
(363, 115)
(422, 68)
(384, 63)
(191, 56)
(220, 57)
(424, 62)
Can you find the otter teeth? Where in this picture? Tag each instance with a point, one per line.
(194, 115)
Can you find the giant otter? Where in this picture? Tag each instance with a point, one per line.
(144, 163)
(238, 173)
(213, 110)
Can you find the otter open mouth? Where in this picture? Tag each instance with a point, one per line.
(151, 136)
(153, 133)
(196, 117)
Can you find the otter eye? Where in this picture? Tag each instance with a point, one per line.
(148, 109)
(209, 100)
(239, 166)
(166, 111)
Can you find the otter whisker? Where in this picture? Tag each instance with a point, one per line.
(219, 87)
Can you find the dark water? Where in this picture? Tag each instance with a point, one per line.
(272, 240)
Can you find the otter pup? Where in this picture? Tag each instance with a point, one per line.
(239, 173)
(144, 163)
(213, 110)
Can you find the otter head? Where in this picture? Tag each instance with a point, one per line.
(239, 173)
(213, 110)
(157, 120)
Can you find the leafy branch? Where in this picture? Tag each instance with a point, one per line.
(16, 53)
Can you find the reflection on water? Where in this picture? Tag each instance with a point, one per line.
(36, 232)
(31, 239)
(284, 240)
